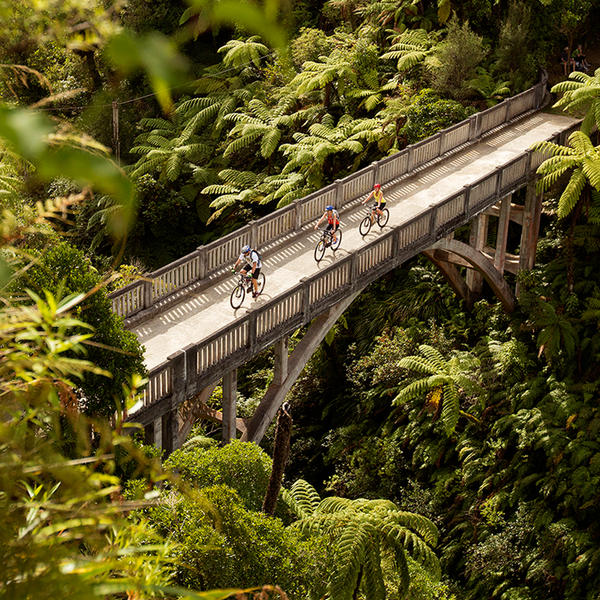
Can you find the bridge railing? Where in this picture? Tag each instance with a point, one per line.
(262, 326)
(214, 257)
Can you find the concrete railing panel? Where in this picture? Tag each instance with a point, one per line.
(160, 384)
(449, 210)
(281, 312)
(426, 151)
(226, 250)
(483, 189)
(356, 185)
(269, 229)
(375, 254)
(393, 166)
(176, 276)
(129, 299)
(314, 205)
(455, 136)
(222, 345)
(493, 117)
(329, 282)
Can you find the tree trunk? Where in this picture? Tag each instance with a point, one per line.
(281, 452)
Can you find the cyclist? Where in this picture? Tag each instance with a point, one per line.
(333, 222)
(377, 195)
(253, 264)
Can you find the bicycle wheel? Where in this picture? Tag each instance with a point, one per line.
(365, 226)
(261, 282)
(237, 296)
(338, 241)
(383, 218)
(319, 250)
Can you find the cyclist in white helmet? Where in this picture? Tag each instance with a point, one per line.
(253, 264)
(333, 221)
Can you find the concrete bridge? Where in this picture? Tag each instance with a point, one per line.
(464, 174)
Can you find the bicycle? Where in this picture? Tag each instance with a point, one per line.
(239, 291)
(327, 241)
(367, 222)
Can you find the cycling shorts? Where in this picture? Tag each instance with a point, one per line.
(331, 227)
(380, 207)
(249, 269)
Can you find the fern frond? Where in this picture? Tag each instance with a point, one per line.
(450, 408)
(305, 498)
(417, 364)
(413, 390)
(433, 356)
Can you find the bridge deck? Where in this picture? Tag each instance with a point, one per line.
(207, 311)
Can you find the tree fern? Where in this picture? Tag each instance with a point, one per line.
(581, 93)
(359, 532)
(446, 376)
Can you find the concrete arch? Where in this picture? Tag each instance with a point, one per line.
(478, 261)
(279, 388)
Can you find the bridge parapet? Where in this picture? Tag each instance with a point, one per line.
(260, 327)
(172, 279)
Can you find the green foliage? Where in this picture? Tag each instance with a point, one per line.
(64, 269)
(309, 45)
(242, 466)
(429, 114)
(358, 533)
(220, 543)
(453, 62)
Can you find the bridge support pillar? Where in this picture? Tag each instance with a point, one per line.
(477, 240)
(280, 370)
(229, 405)
(276, 392)
(157, 433)
(532, 213)
(502, 234)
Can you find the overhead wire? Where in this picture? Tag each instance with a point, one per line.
(151, 94)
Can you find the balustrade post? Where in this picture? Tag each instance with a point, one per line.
(339, 193)
(170, 425)
(253, 234)
(353, 268)
(252, 329)
(498, 181)
(297, 215)
(474, 125)
(529, 173)
(410, 158)
(148, 285)
(201, 262)
(467, 190)
(305, 299)
(375, 179)
(432, 232)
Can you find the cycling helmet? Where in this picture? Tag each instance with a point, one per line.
(329, 207)
(377, 186)
(246, 249)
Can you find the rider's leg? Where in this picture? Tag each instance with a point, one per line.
(255, 282)
(334, 237)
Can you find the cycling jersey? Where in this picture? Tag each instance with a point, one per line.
(251, 257)
(378, 197)
(334, 218)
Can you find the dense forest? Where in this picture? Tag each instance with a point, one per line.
(437, 451)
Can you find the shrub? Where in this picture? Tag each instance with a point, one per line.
(454, 61)
(242, 466)
(221, 544)
(429, 114)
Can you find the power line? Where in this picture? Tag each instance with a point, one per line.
(151, 94)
